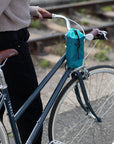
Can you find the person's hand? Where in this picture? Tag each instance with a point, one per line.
(42, 12)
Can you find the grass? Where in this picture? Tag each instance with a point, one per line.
(44, 63)
(101, 56)
(104, 49)
(10, 135)
(107, 8)
(84, 23)
(35, 24)
(82, 11)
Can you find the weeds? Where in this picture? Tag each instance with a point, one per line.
(35, 24)
(103, 50)
(107, 8)
(44, 63)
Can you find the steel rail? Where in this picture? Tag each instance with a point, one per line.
(47, 40)
(79, 5)
(52, 3)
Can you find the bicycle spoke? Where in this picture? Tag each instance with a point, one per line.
(74, 126)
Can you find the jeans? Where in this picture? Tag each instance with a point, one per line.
(21, 80)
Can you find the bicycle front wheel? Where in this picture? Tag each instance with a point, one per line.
(68, 121)
(3, 134)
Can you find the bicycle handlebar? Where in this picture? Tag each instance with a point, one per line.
(95, 33)
(51, 16)
(63, 17)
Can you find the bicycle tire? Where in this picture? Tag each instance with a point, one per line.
(3, 134)
(70, 124)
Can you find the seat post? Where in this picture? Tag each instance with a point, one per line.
(3, 84)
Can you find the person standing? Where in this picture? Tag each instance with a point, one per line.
(15, 17)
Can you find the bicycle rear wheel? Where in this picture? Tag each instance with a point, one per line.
(3, 134)
(68, 121)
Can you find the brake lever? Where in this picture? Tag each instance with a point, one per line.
(102, 34)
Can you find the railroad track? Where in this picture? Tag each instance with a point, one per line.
(52, 3)
(50, 39)
(78, 5)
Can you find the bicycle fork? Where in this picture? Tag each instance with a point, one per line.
(89, 110)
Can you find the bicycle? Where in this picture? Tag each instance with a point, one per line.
(79, 112)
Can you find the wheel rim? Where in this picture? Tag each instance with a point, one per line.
(84, 125)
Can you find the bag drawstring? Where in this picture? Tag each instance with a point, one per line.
(78, 43)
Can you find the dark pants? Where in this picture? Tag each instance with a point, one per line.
(22, 81)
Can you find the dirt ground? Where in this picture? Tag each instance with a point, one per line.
(48, 89)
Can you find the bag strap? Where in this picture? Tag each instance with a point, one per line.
(75, 31)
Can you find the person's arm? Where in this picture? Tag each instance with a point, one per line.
(3, 5)
(36, 11)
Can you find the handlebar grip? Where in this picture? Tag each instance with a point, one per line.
(45, 16)
(94, 32)
(48, 16)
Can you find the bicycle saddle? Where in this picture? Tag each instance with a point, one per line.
(7, 53)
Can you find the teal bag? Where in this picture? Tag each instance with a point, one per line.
(74, 48)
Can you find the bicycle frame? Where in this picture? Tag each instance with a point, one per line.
(36, 130)
(13, 118)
